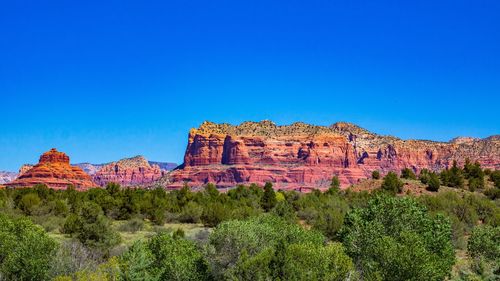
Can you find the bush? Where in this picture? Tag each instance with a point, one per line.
(133, 225)
(91, 228)
(485, 242)
(177, 259)
(407, 173)
(268, 200)
(453, 177)
(236, 244)
(433, 182)
(213, 214)
(424, 176)
(191, 213)
(25, 250)
(313, 262)
(138, 263)
(392, 183)
(375, 175)
(335, 183)
(484, 248)
(29, 202)
(495, 178)
(396, 239)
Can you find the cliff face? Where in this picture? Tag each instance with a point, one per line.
(54, 170)
(307, 156)
(128, 172)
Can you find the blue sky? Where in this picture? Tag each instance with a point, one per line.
(102, 81)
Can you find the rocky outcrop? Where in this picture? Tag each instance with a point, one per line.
(24, 168)
(53, 170)
(306, 156)
(129, 172)
(6, 177)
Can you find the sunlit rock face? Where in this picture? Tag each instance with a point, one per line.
(135, 171)
(53, 170)
(302, 156)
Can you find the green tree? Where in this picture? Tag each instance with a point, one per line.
(315, 262)
(424, 176)
(495, 178)
(92, 228)
(392, 183)
(285, 210)
(396, 239)
(242, 242)
(375, 175)
(484, 248)
(177, 259)
(453, 177)
(113, 188)
(485, 242)
(335, 182)
(29, 202)
(407, 173)
(137, 264)
(268, 200)
(433, 182)
(25, 250)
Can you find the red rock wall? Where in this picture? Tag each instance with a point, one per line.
(127, 176)
(309, 159)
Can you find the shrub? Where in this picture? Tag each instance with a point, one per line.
(375, 175)
(433, 182)
(392, 183)
(495, 178)
(335, 183)
(407, 173)
(133, 225)
(29, 202)
(424, 176)
(313, 262)
(138, 263)
(191, 213)
(453, 177)
(177, 259)
(485, 242)
(236, 244)
(268, 200)
(91, 228)
(25, 250)
(396, 239)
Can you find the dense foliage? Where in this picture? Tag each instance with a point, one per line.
(396, 239)
(256, 233)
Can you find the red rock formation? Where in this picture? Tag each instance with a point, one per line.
(306, 156)
(128, 172)
(53, 170)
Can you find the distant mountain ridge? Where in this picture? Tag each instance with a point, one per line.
(6, 177)
(92, 169)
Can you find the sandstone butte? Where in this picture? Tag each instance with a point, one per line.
(302, 156)
(135, 171)
(53, 170)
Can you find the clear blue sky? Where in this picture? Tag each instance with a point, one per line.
(102, 80)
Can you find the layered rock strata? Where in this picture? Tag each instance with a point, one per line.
(135, 171)
(302, 156)
(53, 170)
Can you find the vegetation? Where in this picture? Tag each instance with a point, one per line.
(257, 233)
(396, 239)
(407, 173)
(392, 183)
